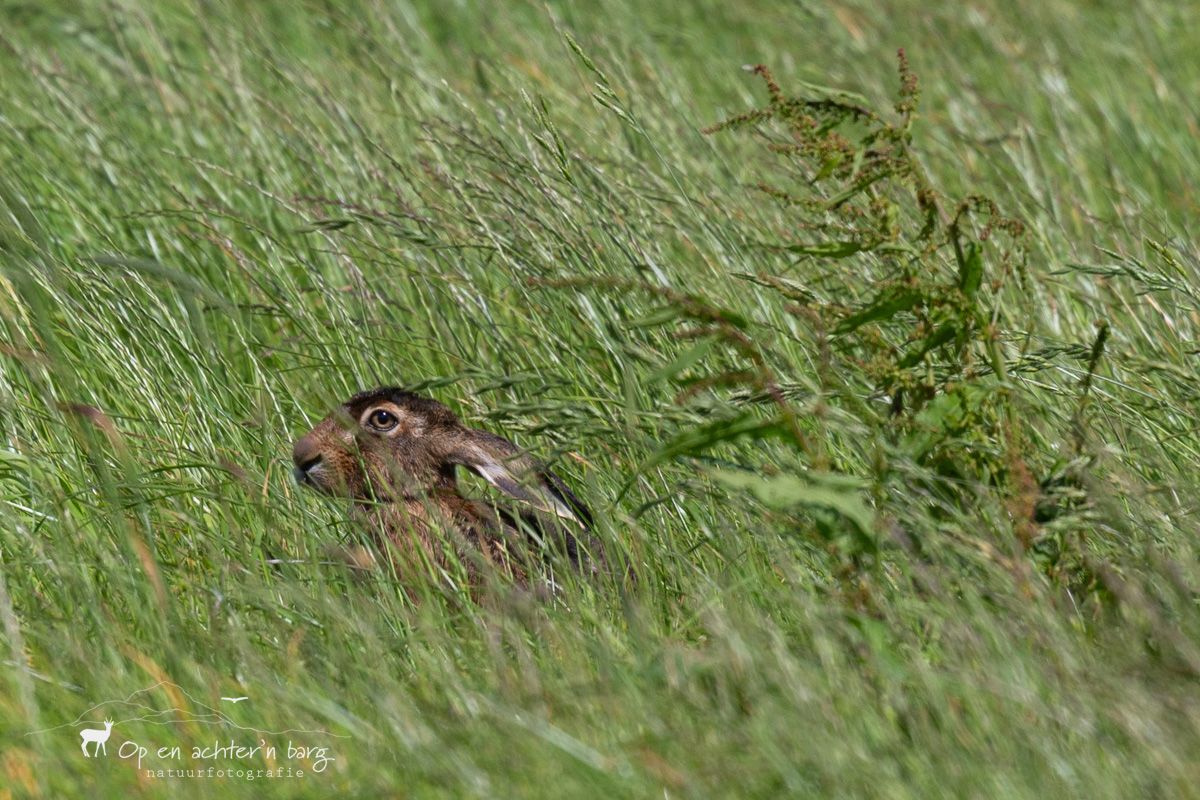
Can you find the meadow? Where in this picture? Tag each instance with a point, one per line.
(875, 368)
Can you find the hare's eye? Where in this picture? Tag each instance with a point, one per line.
(382, 420)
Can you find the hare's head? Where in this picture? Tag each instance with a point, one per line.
(389, 444)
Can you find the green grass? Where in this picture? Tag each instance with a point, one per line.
(217, 220)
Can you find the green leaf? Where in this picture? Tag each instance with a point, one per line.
(792, 290)
(334, 224)
(837, 493)
(970, 270)
(826, 249)
(693, 355)
(659, 316)
(701, 438)
(932, 341)
(885, 306)
(843, 96)
(828, 166)
(941, 417)
(856, 188)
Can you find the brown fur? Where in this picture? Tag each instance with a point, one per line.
(402, 478)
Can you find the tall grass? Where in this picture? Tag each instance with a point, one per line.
(906, 484)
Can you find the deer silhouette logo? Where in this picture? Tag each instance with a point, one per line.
(96, 735)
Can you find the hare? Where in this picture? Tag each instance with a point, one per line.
(395, 455)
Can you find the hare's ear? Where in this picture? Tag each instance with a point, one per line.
(502, 464)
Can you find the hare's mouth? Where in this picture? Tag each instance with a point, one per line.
(313, 476)
(327, 482)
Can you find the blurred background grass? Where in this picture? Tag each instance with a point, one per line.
(219, 219)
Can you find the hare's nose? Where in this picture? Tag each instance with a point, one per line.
(305, 455)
